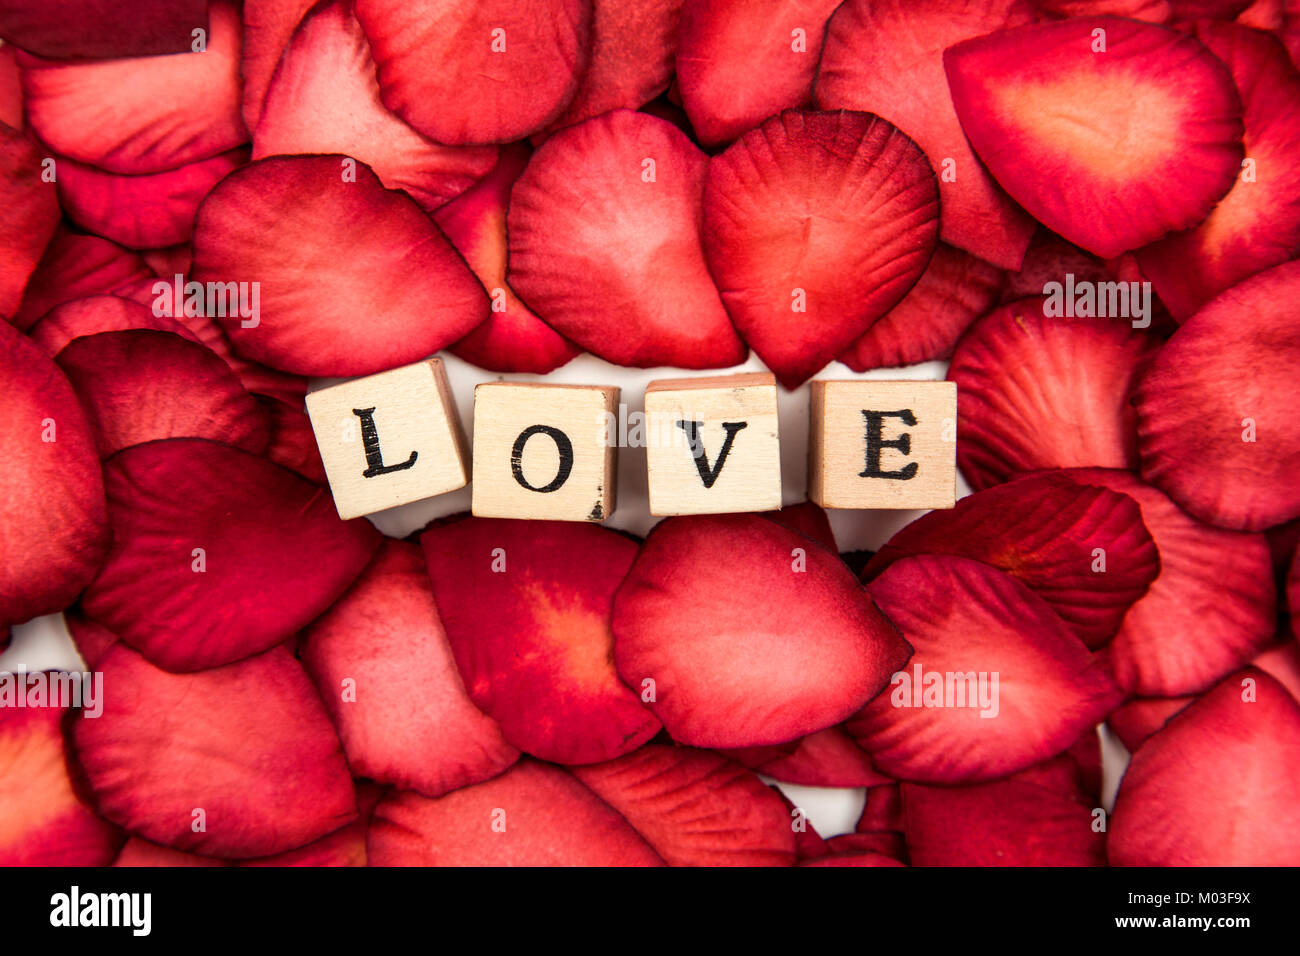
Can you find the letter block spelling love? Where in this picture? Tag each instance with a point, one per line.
(389, 439)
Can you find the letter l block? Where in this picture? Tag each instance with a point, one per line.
(883, 445)
(544, 451)
(389, 439)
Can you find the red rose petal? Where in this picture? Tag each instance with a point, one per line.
(31, 214)
(146, 211)
(140, 385)
(512, 339)
(954, 290)
(1028, 98)
(491, 71)
(528, 623)
(346, 846)
(612, 260)
(1216, 409)
(852, 859)
(53, 525)
(11, 89)
(740, 61)
(381, 661)
(1152, 11)
(75, 266)
(532, 815)
(268, 26)
(70, 29)
(1216, 786)
(883, 810)
(314, 242)
(886, 57)
(293, 443)
(137, 852)
(92, 639)
(1035, 392)
(816, 225)
(633, 46)
(254, 522)
(99, 313)
(142, 114)
(249, 744)
(964, 617)
(45, 822)
(811, 638)
(1050, 258)
(1211, 608)
(1003, 823)
(695, 808)
(324, 98)
(828, 758)
(1257, 225)
(808, 518)
(1044, 530)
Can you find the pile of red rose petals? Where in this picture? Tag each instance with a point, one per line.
(657, 183)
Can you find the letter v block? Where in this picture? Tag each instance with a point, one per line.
(887, 445)
(544, 451)
(712, 445)
(389, 439)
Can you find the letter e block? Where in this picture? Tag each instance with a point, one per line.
(544, 451)
(887, 445)
(712, 445)
(389, 439)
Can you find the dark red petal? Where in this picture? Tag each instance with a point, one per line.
(1257, 224)
(324, 98)
(1214, 9)
(613, 261)
(815, 647)
(11, 89)
(92, 639)
(249, 744)
(346, 846)
(140, 385)
(532, 815)
(314, 241)
(828, 758)
(694, 807)
(1029, 99)
(886, 57)
(633, 46)
(512, 339)
(964, 619)
(1004, 823)
(1153, 11)
(253, 521)
(382, 664)
(141, 212)
(99, 313)
(45, 822)
(74, 266)
(70, 29)
(816, 225)
(1035, 392)
(138, 852)
(954, 290)
(1216, 786)
(739, 61)
(859, 858)
(1210, 610)
(142, 114)
(808, 518)
(529, 626)
(491, 71)
(268, 25)
(1045, 531)
(31, 213)
(293, 443)
(53, 525)
(883, 810)
(1216, 410)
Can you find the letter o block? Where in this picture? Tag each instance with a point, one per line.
(885, 445)
(389, 439)
(544, 451)
(712, 444)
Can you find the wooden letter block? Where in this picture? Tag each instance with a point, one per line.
(883, 445)
(389, 439)
(544, 451)
(712, 445)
